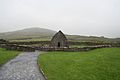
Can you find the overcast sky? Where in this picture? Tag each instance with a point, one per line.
(81, 17)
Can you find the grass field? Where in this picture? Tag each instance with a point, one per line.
(99, 64)
(6, 55)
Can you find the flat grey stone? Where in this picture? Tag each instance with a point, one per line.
(23, 67)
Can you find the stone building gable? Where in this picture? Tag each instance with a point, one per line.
(59, 40)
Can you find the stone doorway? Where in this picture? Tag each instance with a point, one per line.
(58, 44)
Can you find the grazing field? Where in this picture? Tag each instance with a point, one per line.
(99, 64)
(6, 55)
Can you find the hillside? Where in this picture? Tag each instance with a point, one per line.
(41, 34)
(79, 38)
(28, 33)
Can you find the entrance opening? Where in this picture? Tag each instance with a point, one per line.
(58, 44)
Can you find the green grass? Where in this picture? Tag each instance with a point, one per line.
(6, 55)
(99, 64)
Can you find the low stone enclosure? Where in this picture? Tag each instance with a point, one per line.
(72, 49)
(30, 49)
(26, 46)
(59, 42)
(17, 47)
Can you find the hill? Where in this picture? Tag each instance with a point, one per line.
(41, 34)
(28, 33)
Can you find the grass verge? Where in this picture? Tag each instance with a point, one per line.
(99, 64)
(6, 55)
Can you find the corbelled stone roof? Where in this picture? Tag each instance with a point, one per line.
(59, 38)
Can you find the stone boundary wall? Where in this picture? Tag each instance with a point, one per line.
(30, 49)
(26, 46)
(87, 43)
(72, 49)
(30, 42)
(17, 47)
(70, 43)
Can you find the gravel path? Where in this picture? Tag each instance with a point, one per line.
(23, 67)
